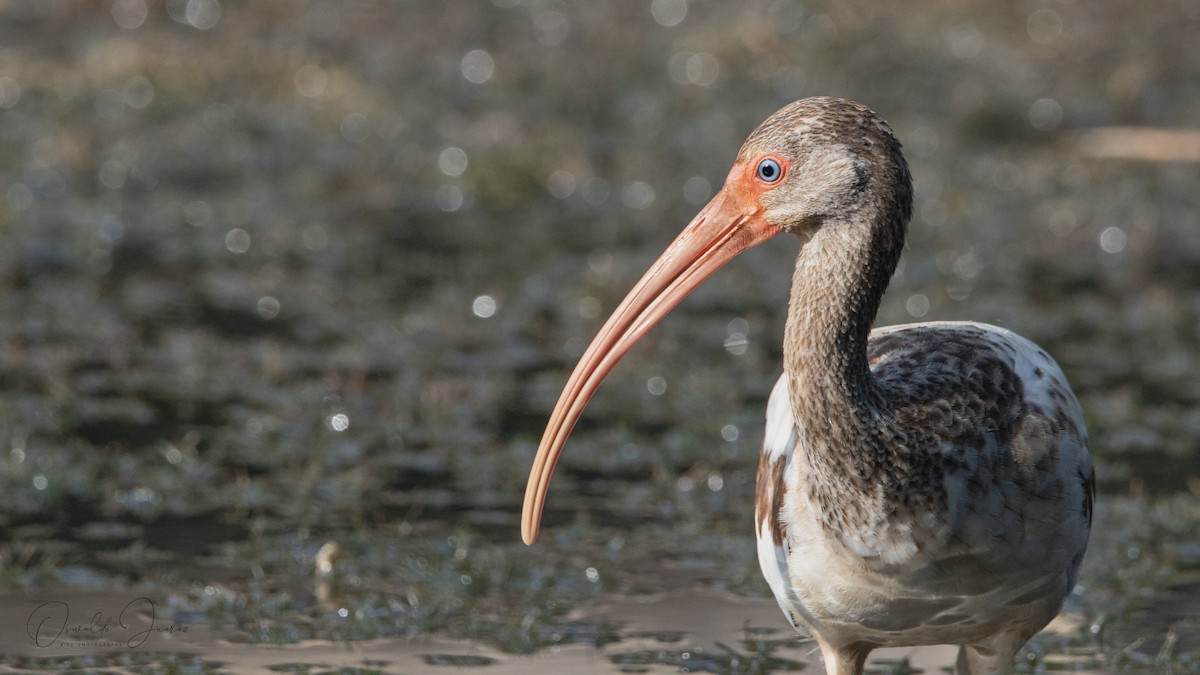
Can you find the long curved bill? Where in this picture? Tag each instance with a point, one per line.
(728, 225)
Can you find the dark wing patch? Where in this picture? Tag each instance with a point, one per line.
(769, 492)
(1089, 495)
(953, 387)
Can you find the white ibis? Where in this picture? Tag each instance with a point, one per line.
(919, 484)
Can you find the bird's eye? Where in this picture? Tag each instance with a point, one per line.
(769, 170)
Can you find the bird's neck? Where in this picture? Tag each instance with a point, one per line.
(837, 288)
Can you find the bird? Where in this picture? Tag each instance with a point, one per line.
(918, 484)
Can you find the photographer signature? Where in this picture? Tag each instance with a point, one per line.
(51, 624)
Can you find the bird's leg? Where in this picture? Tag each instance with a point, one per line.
(845, 660)
(992, 656)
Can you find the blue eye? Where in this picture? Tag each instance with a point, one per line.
(769, 170)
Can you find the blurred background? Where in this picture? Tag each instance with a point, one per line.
(288, 290)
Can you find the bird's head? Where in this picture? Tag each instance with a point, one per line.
(819, 159)
(813, 161)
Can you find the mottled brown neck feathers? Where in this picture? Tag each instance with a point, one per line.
(845, 263)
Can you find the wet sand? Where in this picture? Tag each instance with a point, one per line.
(682, 631)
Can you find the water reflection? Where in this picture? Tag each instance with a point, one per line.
(452, 161)
(311, 80)
(484, 306)
(669, 13)
(478, 66)
(1112, 240)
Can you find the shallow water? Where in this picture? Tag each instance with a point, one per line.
(688, 631)
(287, 286)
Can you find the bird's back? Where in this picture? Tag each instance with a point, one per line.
(974, 526)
